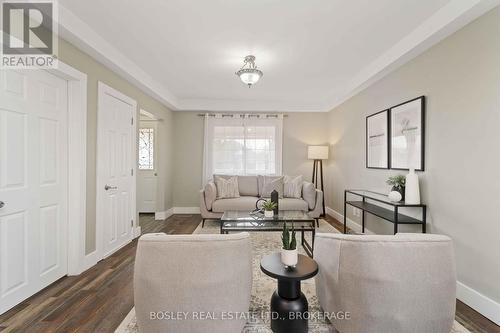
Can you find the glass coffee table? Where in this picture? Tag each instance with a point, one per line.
(249, 221)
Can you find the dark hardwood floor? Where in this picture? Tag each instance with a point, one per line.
(100, 298)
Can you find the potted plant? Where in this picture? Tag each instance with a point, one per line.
(398, 183)
(268, 207)
(289, 256)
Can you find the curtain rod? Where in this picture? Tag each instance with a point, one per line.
(242, 114)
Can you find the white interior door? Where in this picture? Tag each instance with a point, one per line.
(33, 183)
(116, 139)
(147, 173)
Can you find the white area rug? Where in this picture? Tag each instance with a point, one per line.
(263, 286)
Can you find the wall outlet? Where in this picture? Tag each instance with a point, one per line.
(356, 211)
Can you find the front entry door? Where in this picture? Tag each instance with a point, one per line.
(33, 183)
(115, 169)
(147, 173)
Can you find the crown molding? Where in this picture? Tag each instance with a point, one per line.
(78, 33)
(449, 19)
(453, 16)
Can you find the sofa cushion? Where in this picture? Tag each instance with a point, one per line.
(247, 185)
(270, 184)
(309, 194)
(261, 180)
(244, 203)
(293, 187)
(210, 194)
(293, 204)
(227, 187)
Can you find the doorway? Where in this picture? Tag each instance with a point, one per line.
(116, 160)
(147, 172)
(33, 183)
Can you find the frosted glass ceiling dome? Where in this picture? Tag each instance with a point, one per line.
(248, 73)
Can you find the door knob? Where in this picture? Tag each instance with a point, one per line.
(107, 187)
(2, 204)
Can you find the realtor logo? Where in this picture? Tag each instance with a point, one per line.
(29, 38)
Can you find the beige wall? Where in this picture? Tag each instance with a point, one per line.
(299, 130)
(97, 72)
(461, 79)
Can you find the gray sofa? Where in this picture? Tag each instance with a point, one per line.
(250, 191)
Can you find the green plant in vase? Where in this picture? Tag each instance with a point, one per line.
(289, 255)
(269, 207)
(398, 183)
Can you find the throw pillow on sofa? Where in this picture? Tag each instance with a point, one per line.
(270, 184)
(227, 187)
(293, 187)
(309, 194)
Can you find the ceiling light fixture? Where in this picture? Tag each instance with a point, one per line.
(248, 73)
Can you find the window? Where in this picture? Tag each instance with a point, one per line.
(146, 149)
(242, 145)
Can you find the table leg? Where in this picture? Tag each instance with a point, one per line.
(313, 237)
(424, 220)
(289, 308)
(363, 221)
(395, 220)
(345, 212)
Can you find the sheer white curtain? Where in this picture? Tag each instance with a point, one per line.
(247, 144)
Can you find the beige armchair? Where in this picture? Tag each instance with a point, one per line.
(402, 283)
(199, 276)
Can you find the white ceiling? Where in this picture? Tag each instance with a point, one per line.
(314, 54)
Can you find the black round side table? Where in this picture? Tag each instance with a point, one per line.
(288, 304)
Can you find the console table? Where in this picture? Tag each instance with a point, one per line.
(364, 201)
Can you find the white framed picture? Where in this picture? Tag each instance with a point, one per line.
(377, 140)
(407, 135)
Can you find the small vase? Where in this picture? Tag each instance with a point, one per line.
(395, 196)
(401, 191)
(289, 257)
(412, 192)
(268, 213)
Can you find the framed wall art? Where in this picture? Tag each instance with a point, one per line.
(377, 140)
(407, 128)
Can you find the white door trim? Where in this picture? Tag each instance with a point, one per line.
(77, 165)
(102, 90)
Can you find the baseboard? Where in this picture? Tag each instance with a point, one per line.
(350, 223)
(479, 302)
(164, 215)
(176, 210)
(186, 210)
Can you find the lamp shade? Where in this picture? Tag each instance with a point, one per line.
(317, 152)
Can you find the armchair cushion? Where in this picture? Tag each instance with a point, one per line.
(392, 284)
(192, 273)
